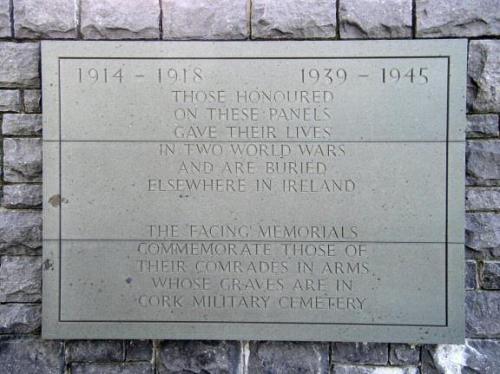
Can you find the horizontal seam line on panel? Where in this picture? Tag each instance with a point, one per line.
(248, 141)
(253, 240)
(254, 322)
(251, 58)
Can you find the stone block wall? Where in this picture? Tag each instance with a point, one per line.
(23, 23)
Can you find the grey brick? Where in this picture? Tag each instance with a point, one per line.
(289, 19)
(115, 19)
(32, 101)
(179, 357)
(360, 353)
(5, 19)
(445, 18)
(20, 232)
(482, 198)
(482, 233)
(481, 125)
(483, 86)
(375, 19)
(205, 19)
(22, 124)
(110, 368)
(404, 354)
(22, 196)
(10, 100)
(94, 350)
(30, 356)
(22, 159)
(20, 318)
(470, 275)
(481, 314)
(352, 369)
(490, 275)
(52, 19)
(19, 64)
(288, 357)
(21, 279)
(138, 350)
(483, 162)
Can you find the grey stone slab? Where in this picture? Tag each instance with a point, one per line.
(22, 196)
(375, 19)
(447, 18)
(205, 19)
(19, 64)
(31, 355)
(53, 19)
(5, 28)
(296, 20)
(271, 190)
(21, 279)
(288, 357)
(22, 124)
(114, 19)
(9, 101)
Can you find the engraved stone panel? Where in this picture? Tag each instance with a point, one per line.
(254, 190)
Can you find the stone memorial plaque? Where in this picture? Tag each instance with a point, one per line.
(254, 190)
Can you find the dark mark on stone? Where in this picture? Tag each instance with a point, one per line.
(128, 280)
(48, 265)
(56, 200)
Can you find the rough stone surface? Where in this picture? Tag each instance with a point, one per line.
(481, 314)
(20, 318)
(289, 19)
(482, 125)
(138, 350)
(30, 356)
(178, 357)
(351, 369)
(22, 196)
(5, 28)
(483, 87)
(475, 356)
(9, 101)
(22, 160)
(482, 233)
(32, 101)
(94, 351)
(360, 353)
(288, 357)
(404, 354)
(20, 279)
(117, 19)
(375, 19)
(470, 275)
(22, 124)
(482, 198)
(490, 275)
(445, 18)
(483, 162)
(20, 232)
(19, 64)
(205, 19)
(45, 19)
(109, 368)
